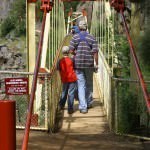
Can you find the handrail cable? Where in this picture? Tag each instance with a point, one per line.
(56, 58)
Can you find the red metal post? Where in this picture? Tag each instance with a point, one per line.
(70, 12)
(7, 125)
(45, 7)
(119, 6)
(33, 88)
(79, 0)
(139, 72)
(84, 12)
(31, 1)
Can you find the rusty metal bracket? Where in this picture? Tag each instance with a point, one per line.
(46, 5)
(32, 1)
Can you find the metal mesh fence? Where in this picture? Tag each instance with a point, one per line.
(123, 101)
(130, 110)
(54, 112)
(40, 110)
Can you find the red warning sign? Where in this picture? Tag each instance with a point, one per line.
(16, 86)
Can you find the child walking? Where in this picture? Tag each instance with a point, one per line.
(68, 77)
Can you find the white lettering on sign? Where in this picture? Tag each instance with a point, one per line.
(16, 86)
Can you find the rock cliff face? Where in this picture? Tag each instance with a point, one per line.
(5, 7)
(12, 49)
(10, 60)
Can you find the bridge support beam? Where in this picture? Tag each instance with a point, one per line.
(31, 43)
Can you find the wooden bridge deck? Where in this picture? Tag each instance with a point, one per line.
(81, 132)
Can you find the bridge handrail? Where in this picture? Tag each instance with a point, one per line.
(103, 78)
(21, 72)
(53, 68)
(128, 80)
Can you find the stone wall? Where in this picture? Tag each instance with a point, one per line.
(12, 49)
(11, 60)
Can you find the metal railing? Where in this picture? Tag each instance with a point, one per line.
(123, 102)
(38, 121)
(104, 83)
(130, 112)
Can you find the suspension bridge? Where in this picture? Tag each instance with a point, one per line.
(39, 122)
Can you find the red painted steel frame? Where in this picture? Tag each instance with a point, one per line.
(32, 1)
(7, 125)
(45, 7)
(139, 72)
(33, 89)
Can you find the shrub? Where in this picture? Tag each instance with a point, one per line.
(16, 19)
(123, 55)
(128, 109)
(144, 48)
(6, 26)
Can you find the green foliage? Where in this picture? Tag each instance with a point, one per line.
(6, 26)
(68, 6)
(39, 12)
(16, 19)
(144, 48)
(128, 109)
(128, 105)
(123, 55)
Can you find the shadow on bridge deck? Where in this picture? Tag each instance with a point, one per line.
(81, 132)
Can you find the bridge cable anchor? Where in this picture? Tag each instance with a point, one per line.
(46, 5)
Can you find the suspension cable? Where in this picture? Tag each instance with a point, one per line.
(119, 6)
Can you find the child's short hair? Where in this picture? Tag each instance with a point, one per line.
(65, 49)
